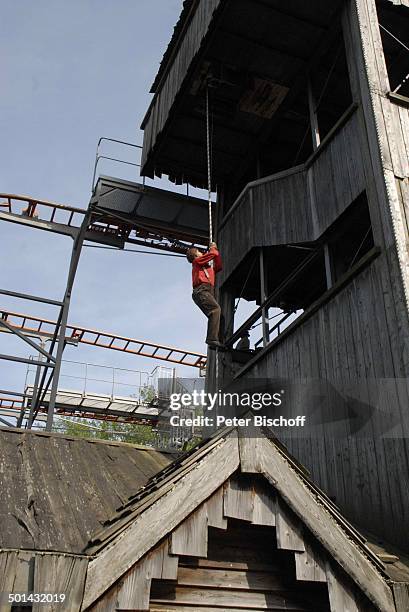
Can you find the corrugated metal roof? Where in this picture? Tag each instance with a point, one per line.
(57, 491)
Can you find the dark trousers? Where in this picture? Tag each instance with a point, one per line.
(203, 296)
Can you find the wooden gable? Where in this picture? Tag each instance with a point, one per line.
(241, 549)
(240, 530)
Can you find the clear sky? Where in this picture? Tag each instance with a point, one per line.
(72, 71)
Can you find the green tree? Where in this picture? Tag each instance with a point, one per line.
(111, 430)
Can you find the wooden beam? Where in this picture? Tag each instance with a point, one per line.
(214, 508)
(239, 499)
(309, 565)
(341, 597)
(162, 517)
(288, 529)
(313, 117)
(190, 538)
(323, 526)
(249, 449)
(401, 596)
(60, 574)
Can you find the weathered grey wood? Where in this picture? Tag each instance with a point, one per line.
(229, 565)
(239, 499)
(107, 603)
(152, 525)
(214, 509)
(309, 565)
(190, 538)
(265, 215)
(24, 572)
(8, 568)
(401, 596)
(264, 508)
(380, 126)
(173, 78)
(248, 449)
(134, 589)
(226, 598)
(60, 574)
(341, 598)
(169, 563)
(288, 528)
(203, 577)
(303, 503)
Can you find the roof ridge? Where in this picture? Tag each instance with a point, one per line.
(57, 434)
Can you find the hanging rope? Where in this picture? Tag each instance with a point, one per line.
(209, 168)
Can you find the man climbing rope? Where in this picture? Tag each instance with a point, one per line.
(204, 269)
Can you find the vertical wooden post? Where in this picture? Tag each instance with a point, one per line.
(313, 117)
(328, 266)
(263, 297)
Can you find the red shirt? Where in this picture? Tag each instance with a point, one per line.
(202, 269)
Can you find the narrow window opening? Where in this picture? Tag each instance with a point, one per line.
(330, 87)
(394, 29)
(295, 276)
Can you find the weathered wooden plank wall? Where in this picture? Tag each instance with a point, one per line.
(23, 572)
(362, 334)
(298, 205)
(159, 110)
(243, 569)
(353, 341)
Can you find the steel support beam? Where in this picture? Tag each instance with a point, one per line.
(25, 360)
(75, 257)
(33, 400)
(33, 298)
(17, 332)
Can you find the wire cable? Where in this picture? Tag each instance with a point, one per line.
(96, 246)
(395, 37)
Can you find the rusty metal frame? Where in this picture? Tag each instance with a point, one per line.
(80, 225)
(110, 230)
(43, 327)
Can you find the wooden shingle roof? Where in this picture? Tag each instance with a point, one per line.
(57, 491)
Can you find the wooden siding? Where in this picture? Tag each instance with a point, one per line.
(360, 336)
(158, 111)
(27, 572)
(243, 569)
(355, 341)
(297, 205)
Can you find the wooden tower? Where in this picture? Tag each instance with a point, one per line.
(310, 159)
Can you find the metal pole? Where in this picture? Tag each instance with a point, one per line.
(263, 297)
(75, 256)
(35, 393)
